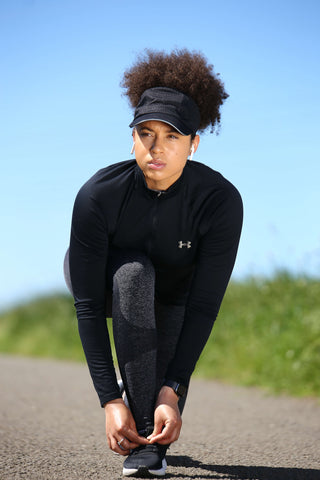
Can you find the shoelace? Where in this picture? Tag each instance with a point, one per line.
(149, 448)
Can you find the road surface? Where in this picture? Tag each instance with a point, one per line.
(52, 428)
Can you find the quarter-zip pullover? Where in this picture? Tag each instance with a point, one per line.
(190, 232)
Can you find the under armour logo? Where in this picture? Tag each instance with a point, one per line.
(182, 244)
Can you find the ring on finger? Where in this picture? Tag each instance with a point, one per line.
(119, 443)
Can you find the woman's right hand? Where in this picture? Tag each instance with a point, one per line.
(121, 428)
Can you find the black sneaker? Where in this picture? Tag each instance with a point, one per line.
(146, 461)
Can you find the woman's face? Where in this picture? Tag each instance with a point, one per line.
(161, 152)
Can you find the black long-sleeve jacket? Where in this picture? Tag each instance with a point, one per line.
(191, 234)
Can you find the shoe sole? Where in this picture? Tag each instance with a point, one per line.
(144, 472)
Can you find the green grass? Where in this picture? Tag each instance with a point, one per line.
(44, 327)
(267, 334)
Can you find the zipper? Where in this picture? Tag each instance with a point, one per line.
(154, 222)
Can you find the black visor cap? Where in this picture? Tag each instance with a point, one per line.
(170, 106)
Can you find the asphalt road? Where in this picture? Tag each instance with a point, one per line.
(51, 427)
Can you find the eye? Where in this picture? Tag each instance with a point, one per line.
(145, 134)
(174, 137)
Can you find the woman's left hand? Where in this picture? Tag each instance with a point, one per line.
(167, 418)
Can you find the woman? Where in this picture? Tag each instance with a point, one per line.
(153, 244)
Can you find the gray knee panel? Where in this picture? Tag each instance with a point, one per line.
(133, 291)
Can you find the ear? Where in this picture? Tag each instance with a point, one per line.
(195, 143)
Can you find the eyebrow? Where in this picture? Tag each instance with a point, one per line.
(169, 129)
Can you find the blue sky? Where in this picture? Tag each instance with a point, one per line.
(63, 116)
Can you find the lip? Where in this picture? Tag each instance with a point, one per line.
(156, 164)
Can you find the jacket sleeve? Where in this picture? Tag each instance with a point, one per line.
(214, 264)
(88, 257)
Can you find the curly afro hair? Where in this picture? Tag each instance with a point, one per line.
(188, 72)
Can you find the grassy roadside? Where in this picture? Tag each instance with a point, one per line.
(267, 334)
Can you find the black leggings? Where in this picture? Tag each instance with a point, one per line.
(145, 332)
